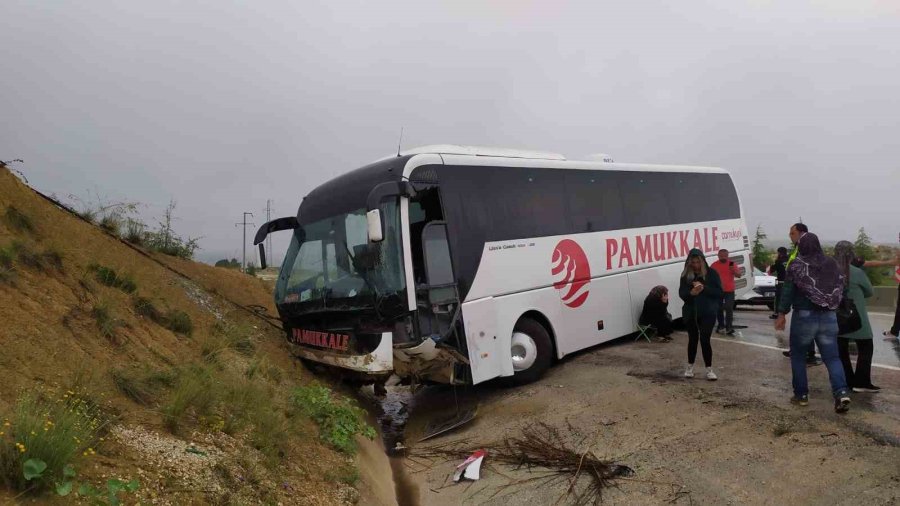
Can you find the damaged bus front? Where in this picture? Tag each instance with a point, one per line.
(344, 293)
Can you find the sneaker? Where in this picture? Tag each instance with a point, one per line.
(786, 354)
(773, 316)
(888, 335)
(719, 330)
(710, 375)
(803, 400)
(867, 389)
(842, 404)
(689, 372)
(729, 332)
(811, 362)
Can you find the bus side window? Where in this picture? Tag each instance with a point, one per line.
(594, 200)
(646, 199)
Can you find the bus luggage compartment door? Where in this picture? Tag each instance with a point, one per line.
(487, 356)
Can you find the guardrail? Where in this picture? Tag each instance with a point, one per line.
(884, 300)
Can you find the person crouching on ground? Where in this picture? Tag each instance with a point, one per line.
(656, 314)
(701, 291)
(814, 288)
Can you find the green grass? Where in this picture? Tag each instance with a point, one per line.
(179, 321)
(174, 319)
(111, 224)
(56, 429)
(192, 399)
(144, 307)
(110, 277)
(221, 401)
(338, 417)
(18, 221)
(7, 257)
(106, 322)
(39, 261)
(228, 336)
(134, 231)
(142, 386)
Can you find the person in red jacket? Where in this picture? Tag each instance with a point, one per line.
(727, 270)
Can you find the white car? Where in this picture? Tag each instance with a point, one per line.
(763, 292)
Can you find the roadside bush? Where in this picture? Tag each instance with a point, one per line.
(18, 221)
(144, 307)
(193, 398)
(39, 261)
(109, 277)
(7, 272)
(179, 321)
(134, 231)
(227, 336)
(105, 320)
(338, 418)
(142, 385)
(174, 319)
(54, 429)
(111, 224)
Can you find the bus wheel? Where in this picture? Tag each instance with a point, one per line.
(531, 351)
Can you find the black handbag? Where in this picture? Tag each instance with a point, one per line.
(848, 318)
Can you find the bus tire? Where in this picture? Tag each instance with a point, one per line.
(530, 350)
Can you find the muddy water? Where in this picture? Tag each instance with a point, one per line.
(392, 413)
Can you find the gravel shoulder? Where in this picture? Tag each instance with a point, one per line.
(734, 441)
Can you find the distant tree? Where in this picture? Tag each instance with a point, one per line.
(228, 264)
(863, 245)
(251, 269)
(762, 256)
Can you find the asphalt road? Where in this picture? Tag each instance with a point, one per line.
(761, 331)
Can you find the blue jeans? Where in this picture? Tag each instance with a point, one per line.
(821, 326)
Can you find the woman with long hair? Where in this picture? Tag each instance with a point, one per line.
(813, 288)
(701, 290)
(859, 288)
(655, 312)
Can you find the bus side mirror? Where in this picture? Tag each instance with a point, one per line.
(373, 223)
(262, 256)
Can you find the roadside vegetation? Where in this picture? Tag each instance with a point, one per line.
(763, 256)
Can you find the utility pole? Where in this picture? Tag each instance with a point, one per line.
(244, 257)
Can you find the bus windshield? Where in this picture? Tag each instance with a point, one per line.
(331, 264)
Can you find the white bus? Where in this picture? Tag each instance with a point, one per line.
(456, 264)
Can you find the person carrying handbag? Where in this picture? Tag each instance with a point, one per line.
(859, 289)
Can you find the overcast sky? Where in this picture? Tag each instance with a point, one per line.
(222, 105)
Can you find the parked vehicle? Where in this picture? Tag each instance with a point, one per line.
(456, 264)
(763, 292)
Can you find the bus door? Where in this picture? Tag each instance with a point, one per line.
(437, 298)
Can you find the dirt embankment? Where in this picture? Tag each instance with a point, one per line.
(131, 344)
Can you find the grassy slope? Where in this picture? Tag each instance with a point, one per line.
(49, 336)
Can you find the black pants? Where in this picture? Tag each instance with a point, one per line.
(862, 377)
(895, 328)
(700, 330)
(725, 317)
(778, 286)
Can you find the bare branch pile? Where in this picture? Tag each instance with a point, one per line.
(542, 449)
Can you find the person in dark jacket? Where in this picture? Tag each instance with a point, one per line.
(779, 270)
(814, 288)
(701, 290)
(656, 314)
(859, 289)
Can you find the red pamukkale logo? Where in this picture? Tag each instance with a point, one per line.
(571, 273)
